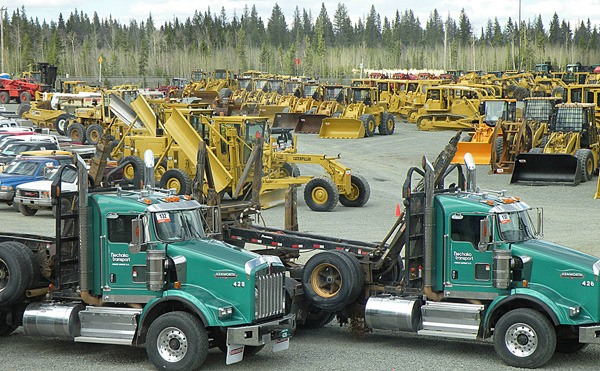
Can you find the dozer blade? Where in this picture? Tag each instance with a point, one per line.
(309, 124)
(339, 128)
(545, 168)
(481, 152)
(286, 120)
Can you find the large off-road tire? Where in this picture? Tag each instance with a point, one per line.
(498, 148)
(321, 194)
(558, 91)
(23, 108)
(225, 93)
(316, 318)
(4, 97)
(387, 125)
(358, 271)
(93, 133)
(368, 121)
(5, 328)
(62, 123)
(177, 341)
(160, 168)
(291, 170)
(585, 163)
(330, 281)
(524, 338)
(26, 210)
(25, 97)
(16, 272)
(360, 192)
(536, 150)
(76, 132)
(177, 179)
(112, 154)
(133, 172)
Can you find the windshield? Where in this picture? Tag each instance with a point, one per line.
(22, 168)
(515, 226)
(178, 225)
(494, 111)
(309, 90)
(69, 175)
(538, 110)
(244, 83)
(569, 119)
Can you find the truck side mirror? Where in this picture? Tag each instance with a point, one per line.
(485, 234)
(137, 236)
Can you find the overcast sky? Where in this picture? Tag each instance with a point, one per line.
(478, 11)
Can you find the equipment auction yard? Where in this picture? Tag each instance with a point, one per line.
(570, 219)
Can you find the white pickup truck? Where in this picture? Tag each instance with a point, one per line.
(32, 196)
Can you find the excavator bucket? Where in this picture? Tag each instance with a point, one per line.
(309, 124)
(481, 152)
(286, 120)
(340, 128)
(544, 168)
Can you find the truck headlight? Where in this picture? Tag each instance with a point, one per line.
(45, 194)
(6, 188)
(225, 312)
(574, 311)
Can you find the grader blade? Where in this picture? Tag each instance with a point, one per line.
(339, 128)
(546, 168)
(272, 198)
(286, 120)
(481, 152)
(309, 124)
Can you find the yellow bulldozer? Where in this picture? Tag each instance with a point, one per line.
(361, 118)
(450, 107)
(571, 152)
(487, 139)
(218, 86)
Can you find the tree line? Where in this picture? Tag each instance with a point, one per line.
(332, 47)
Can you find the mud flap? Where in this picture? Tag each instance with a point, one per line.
(481, 152)
(545, 168)
(235, 353)
(309, 124)
(286, 120)
(339, 128)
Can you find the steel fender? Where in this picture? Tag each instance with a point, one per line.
(556, 306)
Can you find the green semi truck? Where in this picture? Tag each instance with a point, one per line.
(459, 263)
(135, 267)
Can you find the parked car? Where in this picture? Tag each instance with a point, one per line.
(25, 170)
(12, 150)
(33, 196)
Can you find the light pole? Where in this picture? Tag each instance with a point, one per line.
(2, 10)
(519, 35)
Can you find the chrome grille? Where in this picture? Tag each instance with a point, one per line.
(269, 295)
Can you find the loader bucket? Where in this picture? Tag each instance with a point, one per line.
(544, 168)
(286, 120)
(309, 124)
(270, 111)
(206, 95)
(481, 152)
(339, 128)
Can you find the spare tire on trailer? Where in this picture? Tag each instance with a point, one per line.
(331, 281)
(16, 272)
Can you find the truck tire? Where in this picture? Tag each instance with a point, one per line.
(93, 133)
(4, 97)
(61, 123)
(358, 271)
(133, 172)
(585, 164)
(177, 341)
(177, 179)
(76, 132)
(524, 338)
(27, 211)
(321, 194)
(368, 121)
(360, 193)
(16, 272)
(316, 318)
(291, 170)
(387, 125)
(330, 281)
(5, 328)
(25, 97)
(23, 108)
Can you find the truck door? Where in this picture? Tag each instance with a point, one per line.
(125, 271)
(468, 270)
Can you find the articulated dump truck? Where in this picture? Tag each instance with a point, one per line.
(458, 263)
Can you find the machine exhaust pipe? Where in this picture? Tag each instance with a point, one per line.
(471, 177)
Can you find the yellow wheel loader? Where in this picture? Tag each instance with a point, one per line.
(536, 114)
(310, 97)
(361, 118)
(487, 137)
(571, 153)
(333, 103)
(452, 107)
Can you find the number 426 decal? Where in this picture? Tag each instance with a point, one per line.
(588, 283)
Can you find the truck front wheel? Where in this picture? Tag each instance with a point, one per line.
(177, 341)
(524, 338)
(5, 328)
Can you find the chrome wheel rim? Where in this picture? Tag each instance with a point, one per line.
(172, 344)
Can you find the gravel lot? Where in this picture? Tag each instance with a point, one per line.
(570, 219)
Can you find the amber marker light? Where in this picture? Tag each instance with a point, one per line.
(525, 283)
(177, 285)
